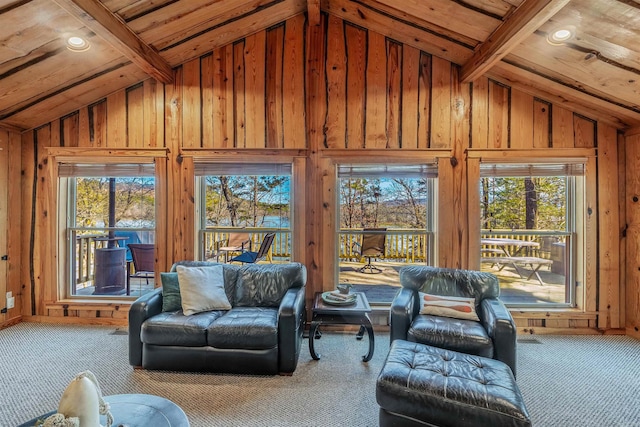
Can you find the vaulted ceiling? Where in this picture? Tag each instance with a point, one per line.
(595, 72)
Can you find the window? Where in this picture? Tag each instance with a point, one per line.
(108, 207)
(241, 204)
(531, 234)
(386, 220)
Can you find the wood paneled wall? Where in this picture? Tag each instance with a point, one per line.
(126, 119)
(631, 194)
(335, 92)
(10, 223)
(249, 94)
(382, 94)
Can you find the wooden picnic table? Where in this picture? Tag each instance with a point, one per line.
(504, 244)
(502, 256)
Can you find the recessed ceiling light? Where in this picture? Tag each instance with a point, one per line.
(77, 44)
(560, 35)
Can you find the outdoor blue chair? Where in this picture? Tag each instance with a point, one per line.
(132, 237)
(250, 257)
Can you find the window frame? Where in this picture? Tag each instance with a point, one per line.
(296, 167)
(428, 166)
(576, 197)
(59, 156)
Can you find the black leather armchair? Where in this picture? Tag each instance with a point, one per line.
(494, 336)
(261, 334)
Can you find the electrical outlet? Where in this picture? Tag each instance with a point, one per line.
(9, 295)
(11, 302)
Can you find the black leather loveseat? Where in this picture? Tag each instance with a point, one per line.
(260, 334)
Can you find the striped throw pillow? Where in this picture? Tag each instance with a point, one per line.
(447, 306)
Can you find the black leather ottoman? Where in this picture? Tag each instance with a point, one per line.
(421, 385)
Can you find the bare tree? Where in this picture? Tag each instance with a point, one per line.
(254, 200)
(347, 203)
(232, 207)
(411, 194)
(376, 192)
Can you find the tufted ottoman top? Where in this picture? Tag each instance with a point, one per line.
(446, 388)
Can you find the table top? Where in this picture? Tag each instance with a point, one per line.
(106, 239)
(361, 305)
(498, 241)
(138, 410)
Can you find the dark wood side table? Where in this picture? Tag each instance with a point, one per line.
(356, 314)
(137, 410)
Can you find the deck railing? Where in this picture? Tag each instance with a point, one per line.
(407, 245)
(85, 249)
(211, 240)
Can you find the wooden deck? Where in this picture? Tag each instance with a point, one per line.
(139, 287)
(514, 288)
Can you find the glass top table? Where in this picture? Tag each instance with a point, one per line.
(136, 410)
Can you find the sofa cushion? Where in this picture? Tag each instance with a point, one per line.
(230, 275)
(171, 300)
(265, 285)
(465, 336)
(248, 328)
(447, 306)
(202, 289)
(174, 328)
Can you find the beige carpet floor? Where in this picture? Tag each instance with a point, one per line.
(565, 380)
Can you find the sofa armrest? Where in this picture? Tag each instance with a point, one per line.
(401, 314)
(143, 308)
(502, 329)
(291, 319)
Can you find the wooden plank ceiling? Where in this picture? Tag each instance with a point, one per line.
(595, 72)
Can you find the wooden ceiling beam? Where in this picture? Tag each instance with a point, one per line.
(10, 128)
(524, 20)
(564, 96)
(632, 132)
(313, 12)
(381, 21)
(115, 31)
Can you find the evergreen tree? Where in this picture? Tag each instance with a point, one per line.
(531, 203)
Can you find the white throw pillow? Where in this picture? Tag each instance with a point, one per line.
(202, 289)
(447, 306)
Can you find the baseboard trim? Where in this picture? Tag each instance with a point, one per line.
(541, 330)
(98, 321)
(633, 333)
(10, 322)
